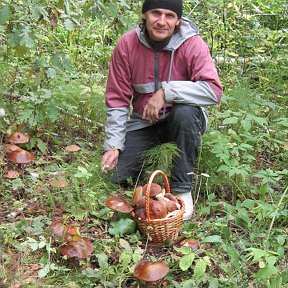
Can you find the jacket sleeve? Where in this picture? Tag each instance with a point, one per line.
(118, 96)
(204, 87)
(115, 128)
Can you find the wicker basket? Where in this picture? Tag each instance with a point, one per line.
(159, 230)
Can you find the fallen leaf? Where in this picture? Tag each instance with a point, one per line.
(66, 232)
(58, 229)
(58, 182)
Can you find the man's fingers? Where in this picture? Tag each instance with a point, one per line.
(111, 166)
(151, 113)
(109, 160)
(144, 115)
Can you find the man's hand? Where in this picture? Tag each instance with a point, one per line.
(109, 160)
(153, 106)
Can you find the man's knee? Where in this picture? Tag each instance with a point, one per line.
(187, 116)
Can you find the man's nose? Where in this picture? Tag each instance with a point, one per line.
(162, 19)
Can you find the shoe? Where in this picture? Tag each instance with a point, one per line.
(188, 201)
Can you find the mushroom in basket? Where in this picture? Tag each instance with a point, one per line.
(162, 205)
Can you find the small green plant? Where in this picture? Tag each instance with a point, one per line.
(160, 158)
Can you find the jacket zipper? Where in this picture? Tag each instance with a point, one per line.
(156, 78)
(156, 71)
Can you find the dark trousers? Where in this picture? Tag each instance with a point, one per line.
(184, 127)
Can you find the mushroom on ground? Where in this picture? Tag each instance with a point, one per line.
(11, 174)
(193, 244)
(18, 138)
(151, 271)
(20, 156)
(72, 148)
(11, 148)
(118, 204)
(81, 248)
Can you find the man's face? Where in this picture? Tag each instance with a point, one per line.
(160, 23)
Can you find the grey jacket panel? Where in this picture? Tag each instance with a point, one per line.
(181, 92)
(145, 88)
(115, 128)
(186, 92)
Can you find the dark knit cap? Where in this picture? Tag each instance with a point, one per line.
(173, 5)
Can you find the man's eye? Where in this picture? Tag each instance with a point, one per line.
(156, 13)
(170, 16)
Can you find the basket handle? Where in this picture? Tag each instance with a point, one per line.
(147, 194)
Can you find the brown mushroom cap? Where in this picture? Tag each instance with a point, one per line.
(193, 244)
(72, 148)
(158, 209)
(141, 202)
(11, 174)
(81, 248)
(138, 194)
(151, 271)
(171, 206)
(20, 156)
(11, 148)
(155, 189)
(118, 204)
(18, 138)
